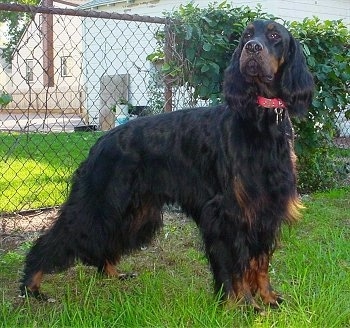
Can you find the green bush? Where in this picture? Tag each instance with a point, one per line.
(326, 46)
(199, 44)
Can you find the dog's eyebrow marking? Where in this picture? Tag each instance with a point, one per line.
(250, 28)
(271, 27)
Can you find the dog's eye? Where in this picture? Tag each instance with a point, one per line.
(274, 36)
(248, 35)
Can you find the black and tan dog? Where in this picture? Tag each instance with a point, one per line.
(230, 167)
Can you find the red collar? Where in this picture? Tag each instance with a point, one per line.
(271, 103)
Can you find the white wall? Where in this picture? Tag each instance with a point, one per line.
(67, 42)
(112, 47)
(100, 43)
(299, 9)
(286, 9)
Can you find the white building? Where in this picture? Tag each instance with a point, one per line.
(5, 72)
(287, 9)
(126, 67)
(41, 67)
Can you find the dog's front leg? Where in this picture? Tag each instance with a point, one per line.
(267, 294)
(244, 291)
(228, 253)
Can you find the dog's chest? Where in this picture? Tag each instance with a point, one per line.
(263, 172)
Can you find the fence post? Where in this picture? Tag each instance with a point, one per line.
(168, 93)
(48, 57)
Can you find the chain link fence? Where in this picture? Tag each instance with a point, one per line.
(73, 75)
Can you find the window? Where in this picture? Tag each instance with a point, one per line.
(39, 28)
(66, 66)
(29, 70)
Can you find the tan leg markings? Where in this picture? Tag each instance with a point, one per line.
(35, 281)
(243, 291)
(262, 280)
(255, 280)
(110, 270)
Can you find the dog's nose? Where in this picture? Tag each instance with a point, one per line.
(253, 46)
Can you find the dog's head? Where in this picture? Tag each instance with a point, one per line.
(270, 63)
(264, 47)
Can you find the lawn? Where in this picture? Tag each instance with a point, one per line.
(35, 169)
(311, 268)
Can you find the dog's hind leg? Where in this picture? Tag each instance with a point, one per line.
(31, 284)
(146, 220)
(142, 222)
(109, 269)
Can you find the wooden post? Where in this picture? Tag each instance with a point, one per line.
(168, 94)
(48, 56)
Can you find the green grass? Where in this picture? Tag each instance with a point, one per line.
(35, 169)
(174, 287)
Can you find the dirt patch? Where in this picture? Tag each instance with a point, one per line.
(29, 220)
(24, 226)
(27, 226)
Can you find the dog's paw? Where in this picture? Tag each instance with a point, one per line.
(26, 293)
(276, 304)
(127, 276)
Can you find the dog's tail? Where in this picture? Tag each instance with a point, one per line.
(51, 252)
(89, 226)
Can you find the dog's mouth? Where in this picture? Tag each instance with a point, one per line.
(253, 69)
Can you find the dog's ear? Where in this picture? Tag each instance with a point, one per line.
(296, 81)
(235, 87)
